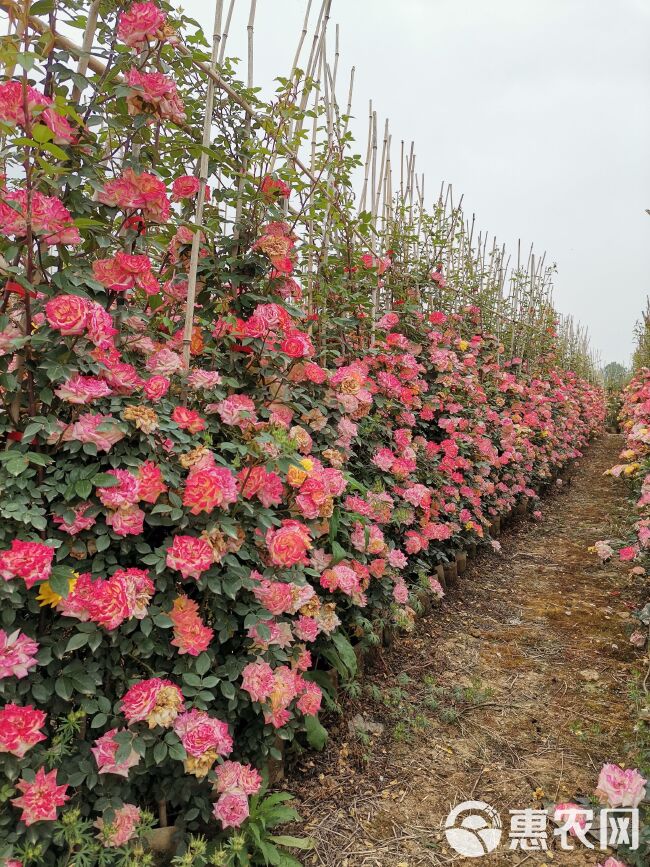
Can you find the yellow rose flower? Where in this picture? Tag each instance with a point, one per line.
(295, 476)
(47, 596)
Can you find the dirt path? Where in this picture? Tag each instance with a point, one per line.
(513, 693)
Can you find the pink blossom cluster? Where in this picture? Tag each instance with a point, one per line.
(156, 702)
(121, 828)
(276, 689)
(109, 602)
(191, 635)
(50, 220)
(17, 654)
(235, 783)
(20, 728)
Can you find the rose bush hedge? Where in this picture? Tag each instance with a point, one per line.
(634, 420)
(185, 549)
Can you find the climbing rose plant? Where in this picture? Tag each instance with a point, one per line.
(185, 550)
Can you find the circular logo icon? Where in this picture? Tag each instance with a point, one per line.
(473, 829)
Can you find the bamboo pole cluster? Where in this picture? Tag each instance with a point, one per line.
(437, 254)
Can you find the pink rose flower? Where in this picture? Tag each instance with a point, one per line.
(85, 429)
(67, 314)
(164, 362)
(297, 345)
(185, 187)
(233, 776)
(231, 809)
(126, 521)
(571, 813)
(620, 788)
(40, 797)
(188, 419)
(123, 494)
(121, 828)
(81, 521)
(208, 489)
(156, 387)
(191, 635)
(288, 545)
(258, 681)
(190, 556)
(150, 482)
(20, 729)
(105, 750)
(156, 701)
(156, 91)
(17, 654)
(203, 379)
(310, 701)
(50, 219)
(82, 389)
(31, 561)
(239, 410)
(145, 192)
(629, 553)
(200, 732)
(142, 22)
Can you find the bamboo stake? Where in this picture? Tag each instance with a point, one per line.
(250, 30)
(364, 190)
(336, 59)
(303, 35)
(348, 111)
(250, 81)
(86, 46)
(380, 177)
(203, 176)
(224, 35)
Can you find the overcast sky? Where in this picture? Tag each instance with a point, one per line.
(536, 110)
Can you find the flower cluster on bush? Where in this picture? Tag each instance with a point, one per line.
(634, 419)
(617, 788)
(185, 548)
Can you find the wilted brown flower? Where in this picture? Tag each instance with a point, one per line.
(144, 418)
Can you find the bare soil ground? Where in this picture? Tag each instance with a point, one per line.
(513, 692)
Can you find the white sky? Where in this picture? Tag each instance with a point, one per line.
(536, 110)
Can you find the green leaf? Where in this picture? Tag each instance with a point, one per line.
(346, 652)
(38, 458)
(104, 480)
(41, 7)
(102, 542)
(60, 581)
(203, 663)
(316, 733)
(77, 641)
(55, 150)
(293, 842)
(41, 133)
(32, 429)
(338, 553)
(83, 488)
(63, 688)
(16, 466)
(227, 690)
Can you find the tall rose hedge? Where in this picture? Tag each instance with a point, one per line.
(634, 467)
(185, 551)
